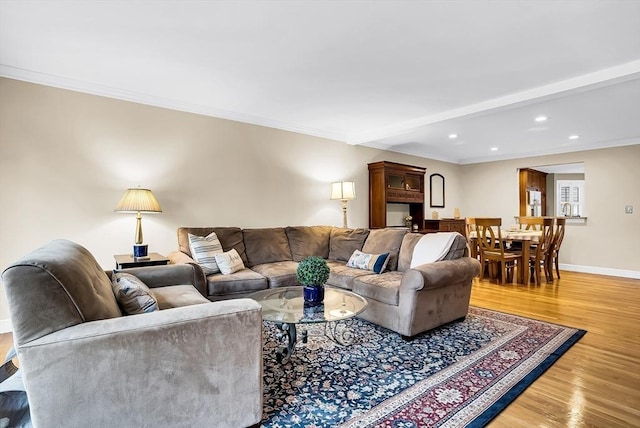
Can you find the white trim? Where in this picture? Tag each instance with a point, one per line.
(140, 98)
(617, 74)
(5, 326)
(633, 274)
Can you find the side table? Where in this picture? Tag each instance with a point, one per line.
(124, 261)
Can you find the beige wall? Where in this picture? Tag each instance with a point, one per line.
(608, 241)
(66, 158)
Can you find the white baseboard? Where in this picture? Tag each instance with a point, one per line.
(633, 274)
(5, 326)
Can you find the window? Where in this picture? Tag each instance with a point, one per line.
(571, 198)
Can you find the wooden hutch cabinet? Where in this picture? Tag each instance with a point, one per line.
(395, 183)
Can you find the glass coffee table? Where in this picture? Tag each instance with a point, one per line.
(285, 307)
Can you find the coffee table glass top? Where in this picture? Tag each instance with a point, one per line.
(286, 305)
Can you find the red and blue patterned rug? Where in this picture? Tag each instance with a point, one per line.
(460, 375)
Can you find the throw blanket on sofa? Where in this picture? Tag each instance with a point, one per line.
(432, 247)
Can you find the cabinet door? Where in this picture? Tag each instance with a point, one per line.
(413, 183)
(395, 181)
(453, 226)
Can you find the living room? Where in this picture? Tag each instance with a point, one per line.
(67, 155)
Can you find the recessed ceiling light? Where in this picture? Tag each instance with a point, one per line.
(541, 119)
(574, 137)
(453, 136)
(494, 149)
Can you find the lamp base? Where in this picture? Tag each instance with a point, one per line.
(140, 250)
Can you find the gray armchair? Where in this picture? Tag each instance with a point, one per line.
(86, 365)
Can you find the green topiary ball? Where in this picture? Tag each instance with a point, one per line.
(313, 272)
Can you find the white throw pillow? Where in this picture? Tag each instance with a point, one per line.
(229, 262)
(203, 251)
(133, 295)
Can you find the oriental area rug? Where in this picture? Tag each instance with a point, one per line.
(459, 375)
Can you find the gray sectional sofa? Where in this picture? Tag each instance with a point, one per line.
(403, 299)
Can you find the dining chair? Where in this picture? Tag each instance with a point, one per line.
(540, 257)
(554, 253)
(492, 250)
(530, 223)
(470, 229)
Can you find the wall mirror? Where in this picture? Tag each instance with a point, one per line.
(436, 191)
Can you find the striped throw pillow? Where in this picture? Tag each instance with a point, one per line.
(204, 250)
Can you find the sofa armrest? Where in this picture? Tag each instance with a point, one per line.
(167, 275)
(440, 274)
(178, 257)
(165, 368)
(163, 276)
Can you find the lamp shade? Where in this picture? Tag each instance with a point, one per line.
(138, 200)
(344, 190)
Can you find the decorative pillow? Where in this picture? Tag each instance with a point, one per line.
(229, 262)
(133, 295)
(373, 262)
(203, 251)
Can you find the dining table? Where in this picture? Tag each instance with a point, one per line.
(526, 238)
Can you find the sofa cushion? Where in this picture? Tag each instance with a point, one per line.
(384, 288)
(229, 262)
(241, 282)
(279, 274)
(203, 251)
(175, 296)
(375, 263)
(386, 240)
(229, 237)
(266, 245)
(409, 242)
(132, 294)
(342, 276)
(305, 241)
(457, 250)
(344, 242)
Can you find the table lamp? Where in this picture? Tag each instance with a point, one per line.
(344, 191)
(138, 201)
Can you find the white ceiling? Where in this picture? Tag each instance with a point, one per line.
(399, 75)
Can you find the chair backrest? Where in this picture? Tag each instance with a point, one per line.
(558, 233)
(545, 242)
(469, 225)
(488, 235)
(530, 223)
(54, 287)
(470, 230)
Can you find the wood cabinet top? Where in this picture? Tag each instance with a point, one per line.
(396, 166)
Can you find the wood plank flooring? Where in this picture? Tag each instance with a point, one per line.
(597, 382)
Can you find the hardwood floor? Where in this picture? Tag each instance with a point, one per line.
(597, 382)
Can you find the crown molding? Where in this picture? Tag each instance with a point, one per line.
(136, 97)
